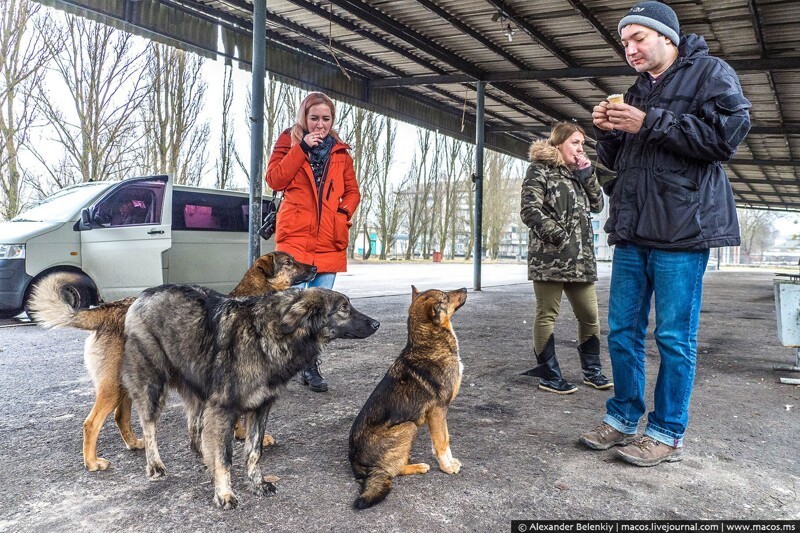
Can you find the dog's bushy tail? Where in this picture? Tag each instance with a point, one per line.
(374, 489)
(48, 308)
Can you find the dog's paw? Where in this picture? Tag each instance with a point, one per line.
(135, 444)
(98, 464)
(226, 501)
(156, 471)
(453, 466)
(267, 488)
(269, 440)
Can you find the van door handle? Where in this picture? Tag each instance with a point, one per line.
(155, 232)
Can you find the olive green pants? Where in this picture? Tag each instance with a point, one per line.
(583, 299)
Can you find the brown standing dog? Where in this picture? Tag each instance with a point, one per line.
(417, 389)
(104, 348)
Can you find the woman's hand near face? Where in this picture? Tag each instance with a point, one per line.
(581, 161)
(313, 139)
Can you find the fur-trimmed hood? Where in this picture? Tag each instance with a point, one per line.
(545, 153)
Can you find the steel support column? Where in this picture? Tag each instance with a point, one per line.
(257, 125)
(477, 178)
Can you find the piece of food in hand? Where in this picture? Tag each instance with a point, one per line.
(616, 99)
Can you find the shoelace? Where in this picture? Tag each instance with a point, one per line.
(603, 430)
(645, 443)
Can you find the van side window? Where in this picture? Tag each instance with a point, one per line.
(132, 205)
(200, 211)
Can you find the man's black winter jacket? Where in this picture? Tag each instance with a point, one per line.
(671, 191)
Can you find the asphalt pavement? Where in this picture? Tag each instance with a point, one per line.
(517, 443)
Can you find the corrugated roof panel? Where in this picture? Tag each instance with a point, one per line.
(411, 38)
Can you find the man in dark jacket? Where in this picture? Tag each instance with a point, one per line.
(670, 202)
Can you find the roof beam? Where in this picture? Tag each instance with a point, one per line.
(319, 67)
(739, 65)
(780, 182)
(364, 58)
(532, 32)
(607, 36)
(775, 130)
(760, 205)
(386, 24)
(759, 33)
(543, 41)
(466, 30)
(306, 32)
(375, 17)
(756, 18)
(355, 28)
(765, 163)
(754, 130)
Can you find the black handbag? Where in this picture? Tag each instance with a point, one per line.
(267, 229)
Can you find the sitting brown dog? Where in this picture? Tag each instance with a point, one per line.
(417, 389)
(104, 348)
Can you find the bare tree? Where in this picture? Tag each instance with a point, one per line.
(57, 176)
(389, 208)
(449, 196)
(418, 191)
(467, 164)
(103, 77)
(226, 144)
(360, 129)
(757, 230)
(501, 192)
(175, 139)
(433, 213)
(277, 117)
(23, 60)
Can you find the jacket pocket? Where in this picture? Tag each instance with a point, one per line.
(292, 223)
(341, 231)
(671, 210)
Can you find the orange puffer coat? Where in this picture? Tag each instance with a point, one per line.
(313, 225)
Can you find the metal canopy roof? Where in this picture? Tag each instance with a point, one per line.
(417, 60)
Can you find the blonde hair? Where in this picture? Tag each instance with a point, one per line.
(314, 98)
(560, 133)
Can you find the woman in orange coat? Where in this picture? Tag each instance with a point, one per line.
(313, 168)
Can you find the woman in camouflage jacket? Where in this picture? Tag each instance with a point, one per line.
(558, 192)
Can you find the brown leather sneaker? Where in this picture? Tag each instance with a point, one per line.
(646, 451)
(604, 437)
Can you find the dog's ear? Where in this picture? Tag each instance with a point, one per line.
(414, 293)
(435, 312)
(266, 264)
(298, 314)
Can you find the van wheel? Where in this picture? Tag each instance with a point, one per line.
(77, 294)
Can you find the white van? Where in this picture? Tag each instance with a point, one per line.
(125, 236)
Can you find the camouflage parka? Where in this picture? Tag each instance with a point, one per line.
(555, 206)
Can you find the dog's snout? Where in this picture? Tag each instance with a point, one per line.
(374, 324)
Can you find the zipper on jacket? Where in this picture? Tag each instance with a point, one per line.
(330, 189)
(321, 189)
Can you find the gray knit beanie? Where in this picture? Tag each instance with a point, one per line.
(656, 16)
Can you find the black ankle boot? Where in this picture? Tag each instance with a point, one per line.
(549, 371)
(312, 377)
(590, 363)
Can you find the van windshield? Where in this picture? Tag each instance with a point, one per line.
(62, 205)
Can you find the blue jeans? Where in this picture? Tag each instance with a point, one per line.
(320, 280)
(676, 278)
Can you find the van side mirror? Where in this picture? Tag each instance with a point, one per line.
(86, 220)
